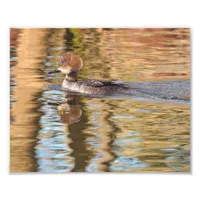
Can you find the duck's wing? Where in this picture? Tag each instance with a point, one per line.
(98, 83)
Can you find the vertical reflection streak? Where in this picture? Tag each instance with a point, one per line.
(31, 44)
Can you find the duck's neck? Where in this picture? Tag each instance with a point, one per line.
(72, 76)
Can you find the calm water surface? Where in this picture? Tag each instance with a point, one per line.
(54, 131)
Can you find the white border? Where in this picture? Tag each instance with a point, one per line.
(104, 13)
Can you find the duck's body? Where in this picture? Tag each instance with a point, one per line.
(92, 86)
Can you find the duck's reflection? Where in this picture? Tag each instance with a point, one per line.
(70, 111)
(75, 120)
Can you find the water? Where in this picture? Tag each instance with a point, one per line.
(54, 131)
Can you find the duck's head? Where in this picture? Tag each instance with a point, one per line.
(69, 64)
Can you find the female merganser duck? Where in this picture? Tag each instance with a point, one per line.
(70, 64)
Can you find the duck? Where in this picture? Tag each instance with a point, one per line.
(70, 64)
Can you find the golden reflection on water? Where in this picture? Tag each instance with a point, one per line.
(28, 85)
(51, 132)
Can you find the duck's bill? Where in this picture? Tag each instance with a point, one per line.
(54, 71)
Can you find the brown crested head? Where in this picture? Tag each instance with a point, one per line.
(70, 60)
